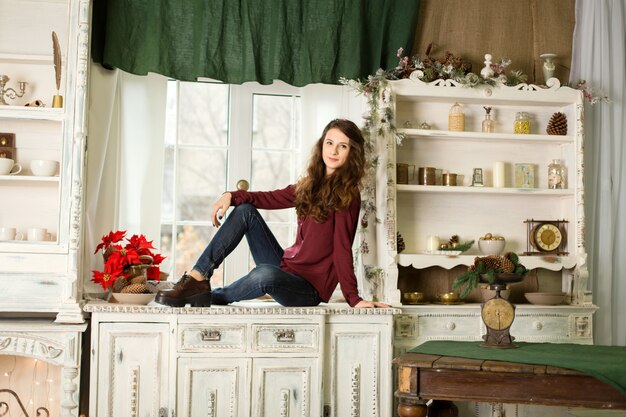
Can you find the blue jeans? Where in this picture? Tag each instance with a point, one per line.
(267, 277)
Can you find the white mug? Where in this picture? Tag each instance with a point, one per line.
(44, 167)
(38, 234)
(10, 233)
(9, 166)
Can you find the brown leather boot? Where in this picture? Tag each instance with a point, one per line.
(186, 291)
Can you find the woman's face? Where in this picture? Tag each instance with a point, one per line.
(335, 150)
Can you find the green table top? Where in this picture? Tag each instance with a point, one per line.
(606, 363)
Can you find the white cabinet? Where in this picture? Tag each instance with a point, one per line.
(43, 276)
(358, 381)
(132, 373)
(246, 360)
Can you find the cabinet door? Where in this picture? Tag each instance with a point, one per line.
(286, 387)
(360, 371)
(133, 370)
(213, 387)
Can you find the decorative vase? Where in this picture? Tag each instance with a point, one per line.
(548, 66)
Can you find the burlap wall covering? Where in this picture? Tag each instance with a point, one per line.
(518, 30)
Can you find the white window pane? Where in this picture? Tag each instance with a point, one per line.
(167, 200)
(270, 171)
(274, 118)
(201, 180)
(203, 114)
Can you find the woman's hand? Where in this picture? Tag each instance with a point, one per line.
(370, 304)
(220, 208)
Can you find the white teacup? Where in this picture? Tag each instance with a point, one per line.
(9, 167)
(44, 167)
(38, 234)
(10, 233)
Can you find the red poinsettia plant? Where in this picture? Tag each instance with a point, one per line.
(120, 258)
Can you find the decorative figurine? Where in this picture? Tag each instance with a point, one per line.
(487, 71)
(57, 99)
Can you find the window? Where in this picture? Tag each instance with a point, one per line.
(215, 135)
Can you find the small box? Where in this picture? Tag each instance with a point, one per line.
(525, 175)
(7, 140)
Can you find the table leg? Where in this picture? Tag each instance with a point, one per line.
(412, 408)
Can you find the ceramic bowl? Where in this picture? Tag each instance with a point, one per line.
(413, 297)
(44, 167)
(545, 298)
(141, 299)
(491, 246)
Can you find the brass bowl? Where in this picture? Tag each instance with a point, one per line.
(413, 297)
(448, 297)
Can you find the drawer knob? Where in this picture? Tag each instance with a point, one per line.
(451, 325)
(211, 335)
(537, 325)
(285, 336)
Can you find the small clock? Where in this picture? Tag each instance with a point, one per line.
(546, 237)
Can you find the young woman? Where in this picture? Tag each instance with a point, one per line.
(327, 202)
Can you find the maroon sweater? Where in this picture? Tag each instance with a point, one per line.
(322, 253)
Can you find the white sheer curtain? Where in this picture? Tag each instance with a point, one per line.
(599, 48)
(124, 149)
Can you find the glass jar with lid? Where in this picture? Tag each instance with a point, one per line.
(557, 175)
(456, 118)
(522, 123)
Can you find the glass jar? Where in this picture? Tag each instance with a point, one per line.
(522, 123)
(557, 175)
(456, 118)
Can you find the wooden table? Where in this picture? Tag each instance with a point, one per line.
(424, 377)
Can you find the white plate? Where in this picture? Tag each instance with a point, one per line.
(141, 299)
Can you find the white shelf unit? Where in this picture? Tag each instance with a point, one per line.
(43, 277)
(418, 211)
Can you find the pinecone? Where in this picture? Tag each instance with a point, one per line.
(138, 279)
(119, 283)
(134, 289)
(453, 242)
(557, 124)
(497, 262)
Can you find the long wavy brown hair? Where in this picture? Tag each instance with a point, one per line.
(317, 194)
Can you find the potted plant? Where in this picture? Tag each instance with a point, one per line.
(492, 269)
(127, 266)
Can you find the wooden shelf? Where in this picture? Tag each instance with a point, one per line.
(420, 261)
(33, 113)
(509, 138)
(526, 192)
(28, 178)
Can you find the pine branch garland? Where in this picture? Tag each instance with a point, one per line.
(56, 50)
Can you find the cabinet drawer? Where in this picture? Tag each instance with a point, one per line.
(285, 338)
(449, 327)
(541, 328)
(212, 338)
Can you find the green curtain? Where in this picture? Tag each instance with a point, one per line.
(296, 41)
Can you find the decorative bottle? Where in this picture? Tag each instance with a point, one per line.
(522, 123)
(488, 124)
(557, 175)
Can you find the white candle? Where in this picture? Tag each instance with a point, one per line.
(498, 174)
(432, 243)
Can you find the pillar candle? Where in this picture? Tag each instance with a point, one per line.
(498, 174)
(432, 243)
